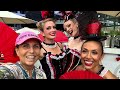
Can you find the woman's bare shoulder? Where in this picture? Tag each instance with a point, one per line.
(109, 75)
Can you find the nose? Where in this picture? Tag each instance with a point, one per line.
(88, 55)
(67, 29)
(31, 50)
(53, 29)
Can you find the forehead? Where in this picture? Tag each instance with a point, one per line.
(91, 45)
(48, 23)
(32, 40)
(68, 22)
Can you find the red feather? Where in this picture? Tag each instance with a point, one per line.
(44, 14)
(7, 43)
(80, 75)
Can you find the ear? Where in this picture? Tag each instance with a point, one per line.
(42, 33)
(17, 51)
(77, 25)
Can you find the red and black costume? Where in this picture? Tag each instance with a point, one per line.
(56, 65)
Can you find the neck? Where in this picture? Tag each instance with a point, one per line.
(50, 41)
(49, 45)
(28, 68)
(76, 37)
(95, 69)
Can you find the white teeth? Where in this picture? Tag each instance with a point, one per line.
(53, 34)
(30, 57)
(70, 32)
(88, 62)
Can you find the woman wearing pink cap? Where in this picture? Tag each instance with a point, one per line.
(27, 48)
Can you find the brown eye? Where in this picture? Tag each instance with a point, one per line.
(54, 27)
(94, 52)
(25, 46)
(36, 46)
(84, 51)
(48, 28)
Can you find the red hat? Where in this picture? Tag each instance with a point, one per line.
(93, 30)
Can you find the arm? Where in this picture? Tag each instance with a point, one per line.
(109, 75)
(5, 73)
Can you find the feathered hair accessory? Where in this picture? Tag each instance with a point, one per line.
(69, 16)
(46, 14)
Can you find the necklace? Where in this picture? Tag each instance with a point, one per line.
(76, 37)
(53, 45)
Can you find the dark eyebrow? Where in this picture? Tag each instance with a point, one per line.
(68, 25)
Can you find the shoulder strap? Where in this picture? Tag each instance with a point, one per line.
(44, 49)
(59, 46)
(100, 70)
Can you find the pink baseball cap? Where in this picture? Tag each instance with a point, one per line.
(25, 36)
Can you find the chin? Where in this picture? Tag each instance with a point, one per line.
(30, 63)
(73, 35)
(88, 67)
(52, 37)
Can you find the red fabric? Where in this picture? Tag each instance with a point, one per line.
(60, 37)
(7, 43)
(41, 37)
(80, 75)
(94, 28)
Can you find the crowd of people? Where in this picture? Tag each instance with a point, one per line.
(49, 59)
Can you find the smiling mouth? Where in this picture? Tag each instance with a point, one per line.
(70, 33)
(31, 58)
(88, 63)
